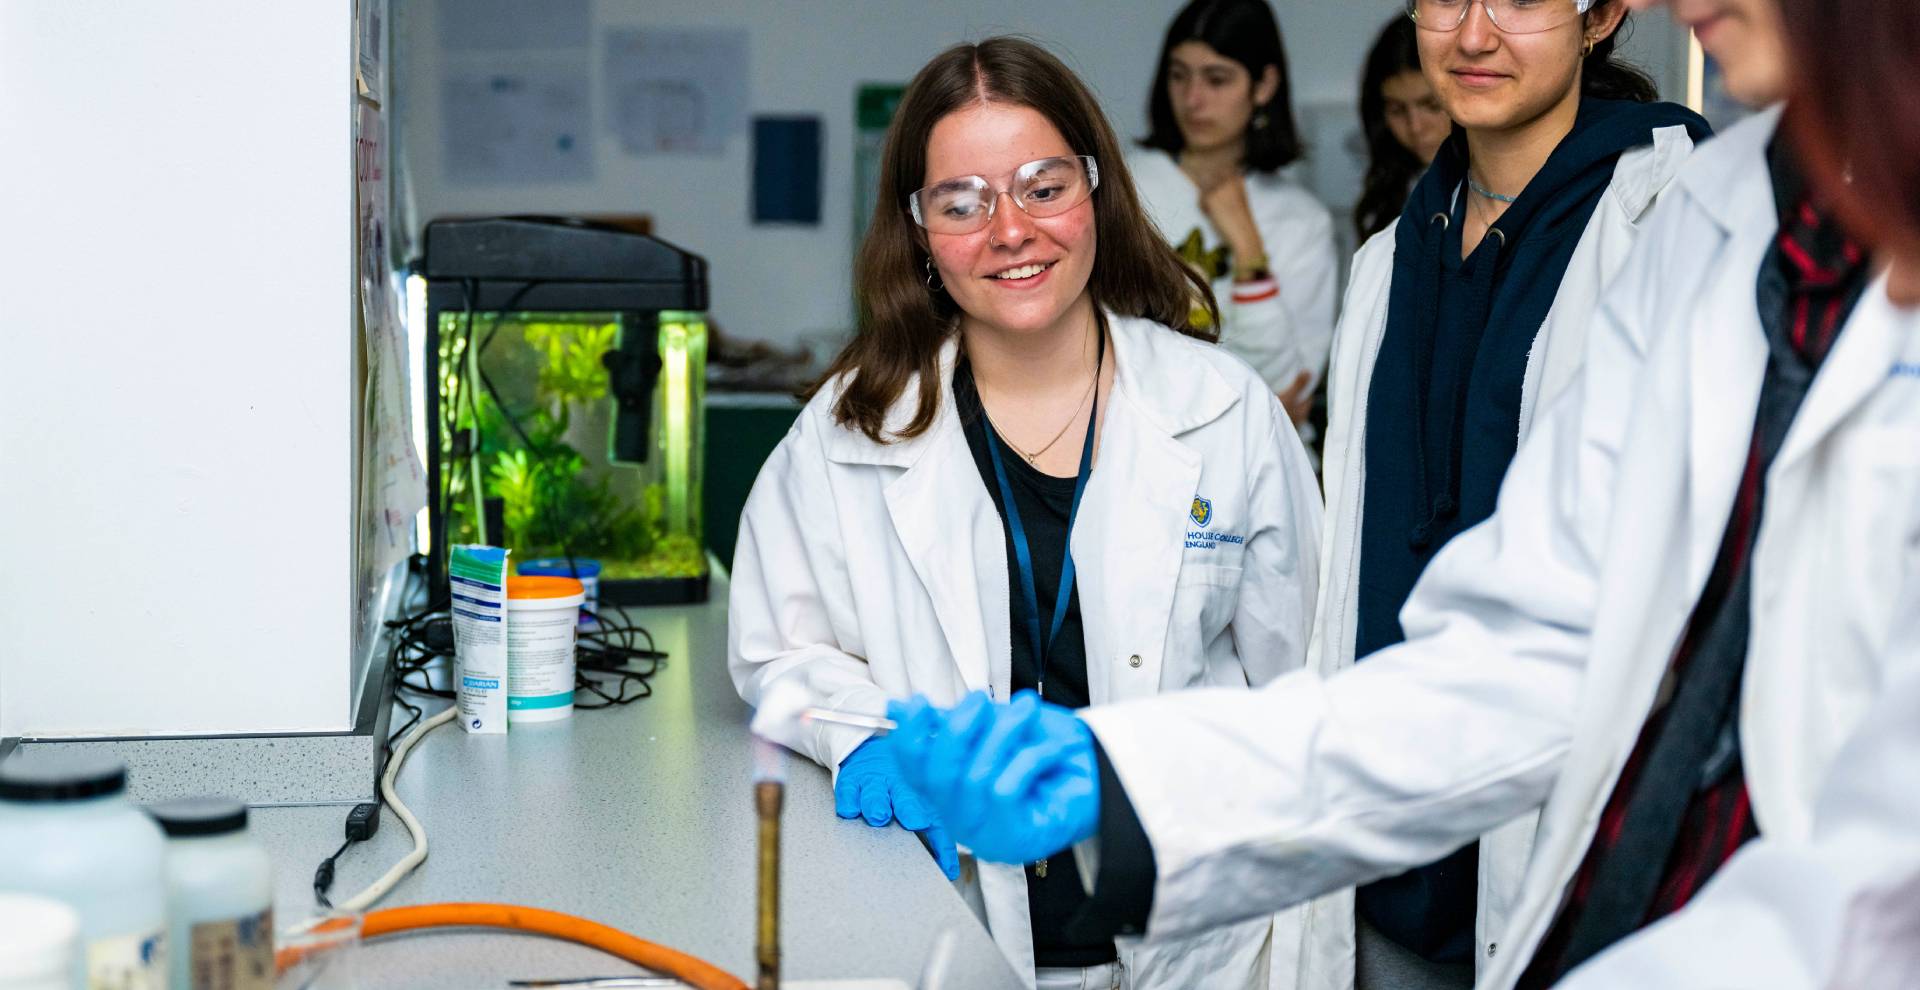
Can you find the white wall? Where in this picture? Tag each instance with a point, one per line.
(175, 378)
(808, 57)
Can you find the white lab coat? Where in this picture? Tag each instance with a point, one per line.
(1537, 641)
(1291, 332)
(1552, 363)
(870, 571)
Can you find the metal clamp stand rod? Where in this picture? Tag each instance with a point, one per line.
(767, 797)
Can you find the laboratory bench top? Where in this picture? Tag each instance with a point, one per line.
(639, 817)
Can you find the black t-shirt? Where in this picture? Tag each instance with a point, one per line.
(1046, 504)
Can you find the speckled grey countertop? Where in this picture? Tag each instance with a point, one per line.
(640, 818)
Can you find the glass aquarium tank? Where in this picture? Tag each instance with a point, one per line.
(567, 400)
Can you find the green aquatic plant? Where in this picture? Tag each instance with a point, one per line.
(550, 501)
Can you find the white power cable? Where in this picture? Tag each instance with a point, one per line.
(379, 888)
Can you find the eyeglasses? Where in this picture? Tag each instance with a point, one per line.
(1510, 16)
(1046, 188)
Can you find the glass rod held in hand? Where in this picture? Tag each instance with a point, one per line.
(854, 719)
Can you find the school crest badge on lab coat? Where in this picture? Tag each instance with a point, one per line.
(1202, 511)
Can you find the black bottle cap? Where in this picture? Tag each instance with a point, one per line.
(199, 816)
(48, 776)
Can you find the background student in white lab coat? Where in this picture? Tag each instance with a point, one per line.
(1023, 371)
(1464, 317)
(1212, 174)
(1692, 628)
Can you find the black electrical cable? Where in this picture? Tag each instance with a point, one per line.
(615, 661)
(323, 877)
(499, 402)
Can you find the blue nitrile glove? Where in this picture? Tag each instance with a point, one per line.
(870, 787)
(1015, 782)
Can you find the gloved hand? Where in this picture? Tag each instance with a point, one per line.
(870, 787)
(1015, 782)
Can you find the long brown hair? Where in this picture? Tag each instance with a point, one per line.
(902, 323)
(1855, 113)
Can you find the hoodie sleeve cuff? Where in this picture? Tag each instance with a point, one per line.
(1122, 894)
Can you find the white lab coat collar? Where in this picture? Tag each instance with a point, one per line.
(1734, 187)
(1857, 365)
(1729, 181)
(1720, 181)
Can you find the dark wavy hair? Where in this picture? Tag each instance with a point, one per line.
(1245, 31)
(1854, 113)
(1606, 77)
(1391, 168)
(901, 324)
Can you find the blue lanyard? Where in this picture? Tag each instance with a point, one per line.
(1023, 557)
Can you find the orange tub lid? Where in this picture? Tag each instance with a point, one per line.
(542, 586)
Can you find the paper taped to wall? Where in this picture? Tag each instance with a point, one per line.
(527, 123)
(676, 90)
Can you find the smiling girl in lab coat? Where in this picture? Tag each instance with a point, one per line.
(1027, 471)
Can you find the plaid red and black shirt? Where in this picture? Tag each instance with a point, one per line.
(1808, 285)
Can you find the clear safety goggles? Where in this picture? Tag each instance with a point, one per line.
(1046, 188)
(1510, 16)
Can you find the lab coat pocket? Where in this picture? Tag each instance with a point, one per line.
(1875, 536)
(1204, 599)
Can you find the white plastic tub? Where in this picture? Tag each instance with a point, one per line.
(39, 943)
(219, 896)
(69, 833)
(542, 614)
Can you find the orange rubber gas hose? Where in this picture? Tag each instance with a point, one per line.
(612, 941)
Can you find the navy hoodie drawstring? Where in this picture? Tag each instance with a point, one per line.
(1444, 502)
(1425, 328)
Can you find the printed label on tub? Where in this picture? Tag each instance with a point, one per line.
(236, 954)
(128, 962)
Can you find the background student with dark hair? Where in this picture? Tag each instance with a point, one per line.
(1026, 471)
(1212, 174)
(1691, 629)
(1403, 122)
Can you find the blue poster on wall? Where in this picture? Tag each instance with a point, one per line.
(786, 170)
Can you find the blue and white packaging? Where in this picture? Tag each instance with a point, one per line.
(478, 581)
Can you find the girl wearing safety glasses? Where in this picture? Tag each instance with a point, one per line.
(1464, 318)
(1028, 471)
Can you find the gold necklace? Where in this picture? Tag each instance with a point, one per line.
(1032, 457)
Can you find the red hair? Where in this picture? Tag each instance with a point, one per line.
(1855, 110)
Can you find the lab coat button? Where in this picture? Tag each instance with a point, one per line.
(1133, 661)
(1491, 948)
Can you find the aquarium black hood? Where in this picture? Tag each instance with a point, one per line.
(609, 266)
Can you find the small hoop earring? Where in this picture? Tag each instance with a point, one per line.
(1260, 121)
(933, 278)
(1589, 52)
